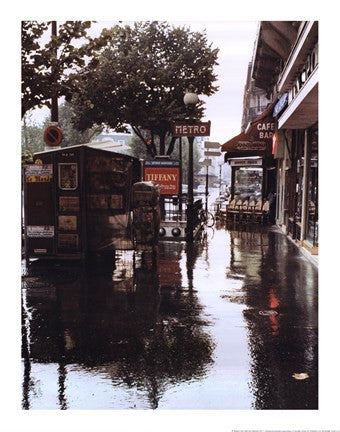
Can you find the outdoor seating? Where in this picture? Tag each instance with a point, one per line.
(231, 209)
(249, 212)
(243, 209)
(258, 210)
(234, 209)
(265, 212)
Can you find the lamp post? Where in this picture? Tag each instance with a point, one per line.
(190, 99)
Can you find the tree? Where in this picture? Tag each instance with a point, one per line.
(72, 136)
(141, 77)
(50, 69)
(31, 139)
(139, 151)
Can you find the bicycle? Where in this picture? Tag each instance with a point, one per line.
(206, 218)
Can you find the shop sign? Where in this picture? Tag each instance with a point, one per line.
(281, 104)
(265, 130)
(37, 231)
(246, 162)
(249, 145)
(190, 130)
(165, 173)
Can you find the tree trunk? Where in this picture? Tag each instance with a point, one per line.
(162, 143)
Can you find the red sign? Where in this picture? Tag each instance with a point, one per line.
(196, 129)
(53, 136)
(166, 177)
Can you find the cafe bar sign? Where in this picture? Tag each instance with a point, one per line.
(195, 129)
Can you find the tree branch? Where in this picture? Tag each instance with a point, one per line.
(149, 148)
(171, 146)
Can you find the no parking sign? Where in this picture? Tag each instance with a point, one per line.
(53, 136)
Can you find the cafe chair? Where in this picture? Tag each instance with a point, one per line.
(265, 212)
(249, 213)
(258, 210)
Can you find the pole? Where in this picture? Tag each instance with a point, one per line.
(181, 177)
(54, 100)
(220, 179)
(190, 202)
(206, 188)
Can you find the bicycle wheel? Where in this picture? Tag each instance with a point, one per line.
(210, 219)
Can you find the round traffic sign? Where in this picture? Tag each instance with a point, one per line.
(53, 136)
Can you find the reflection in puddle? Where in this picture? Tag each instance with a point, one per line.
(182, 331)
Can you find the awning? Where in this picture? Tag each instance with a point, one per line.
(257, 138)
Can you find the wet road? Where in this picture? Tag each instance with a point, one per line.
(227, 323)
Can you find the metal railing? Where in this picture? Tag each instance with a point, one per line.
(175, 209)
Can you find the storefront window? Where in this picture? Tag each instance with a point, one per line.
(312, 218)
(248, 182)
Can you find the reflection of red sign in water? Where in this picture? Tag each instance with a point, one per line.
(166, 177)
(169, 272)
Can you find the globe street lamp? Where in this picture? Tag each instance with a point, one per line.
(190, 99)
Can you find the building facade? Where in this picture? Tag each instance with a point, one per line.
(285, 66)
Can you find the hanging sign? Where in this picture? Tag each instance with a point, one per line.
(245, 162)
(190, 130)
(281, 104)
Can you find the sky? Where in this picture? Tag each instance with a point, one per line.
(235, 41)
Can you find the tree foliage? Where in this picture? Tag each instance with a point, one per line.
(140, 76)
(32, 133)
(31, 139)
(136, 149)
(72, 136)
(49, 69)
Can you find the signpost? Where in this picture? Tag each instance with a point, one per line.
(190, 130)
(212, 145)
(207, 153)
(208, 145)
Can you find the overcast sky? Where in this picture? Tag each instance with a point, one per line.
(235, 40)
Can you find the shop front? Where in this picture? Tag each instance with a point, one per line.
(246, 177)
(297, 187)
(250, 156)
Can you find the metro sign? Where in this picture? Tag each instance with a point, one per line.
(190, 130)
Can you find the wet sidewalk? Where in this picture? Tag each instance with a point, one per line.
(227, 323)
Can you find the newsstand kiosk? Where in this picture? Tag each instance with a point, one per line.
(78, 202)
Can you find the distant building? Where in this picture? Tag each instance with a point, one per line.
(118, 140)
(254, 100)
